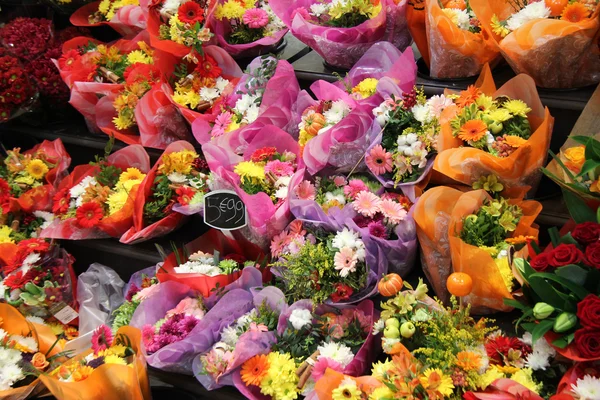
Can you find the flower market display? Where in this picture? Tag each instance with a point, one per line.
(277, 199)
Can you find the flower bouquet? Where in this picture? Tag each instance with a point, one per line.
(114, 367)
(265, 95)
(308, 342)
(251, 334)
(96, 200)
(554, 42)
(211, 262)
(18, 226)
(504, 132)
(340, 31)
(262, 177)
(179, 176)
(134, 295)
(474, 233)
(28, 179)
(16, 88)
(579, 382)
(39, 281)
(246, 29)
(124, 16)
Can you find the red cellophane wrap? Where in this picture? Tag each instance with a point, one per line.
(128, 20)
(115, 225)
(332, 379)
(14, 323)
(556, 53)
(40, 198)
(231, 71)
(439, 215)
(506, 389)
(577, 371)
(211, 241)
(522, 168)
(172, 220)
(108, 381)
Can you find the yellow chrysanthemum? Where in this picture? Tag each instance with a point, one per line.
(507, 369)
(116, 201)
(434, 379)
(138, 56)
(523, 376)
(498, 27)
(484, 102)
(505, 272)
(500, 115)
(192, 99)
(179, 161)
(112, 359)
(57, 329)
(381, 393)
(375, 10)
(492, 251)
(366, 87)
(250, 170)
(104, 6)
(25, 179)
(517, 108)
(348, 391)
(175, 31)
(249, 4)
(232, 126)
(37, 169)
(180, 98)
(5, 232)
(304, 137)
(381, 368)
(486, 379)
(123, 122)
(230, 10)
(131, 174)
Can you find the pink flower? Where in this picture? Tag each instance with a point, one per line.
(379, 161)
(254, 327)
(366, 203)
(255, 18)
(279, 168)
(146, 292)
(188, 306)
(102, 338)
(339, 181)
(321, 366)
(278, 243)
(148, 332)
(393, 211)
(354, 187)
(221, 124)
(345, 261)
(302, 11)
(306, 191)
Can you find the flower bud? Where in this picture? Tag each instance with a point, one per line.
(496, 127)
(564, 322)
(542, 310)
(407, 330)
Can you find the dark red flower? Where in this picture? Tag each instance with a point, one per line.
(497, 348)
(263, 154)
(208, 68)
(377, 229)
(565, 254)
(586, 233)
(28, 38)
(588, 311)
(541, 262)
(342, 292)
(184, 195)
(587, 342)
(592, 255)
(190, 12)
(60, 201)
(89, 214)
(65, 63)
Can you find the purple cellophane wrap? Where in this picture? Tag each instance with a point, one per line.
(396, 29)
(250, 344)
(276, 108)
(264, 219)
(178, 357)
(137, 277)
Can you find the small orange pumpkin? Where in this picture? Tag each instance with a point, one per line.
(556, 6)
(459, 284)
(389, 285)
(460, 4)
(313, 123)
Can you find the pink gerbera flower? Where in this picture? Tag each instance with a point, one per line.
(339, 181)
(321, 366)
(255, 18)
(102, 339)
(306, 191)
(394, 212)
(379, 161)
(345, 261)
(366, 203)
(279, 168)
(278, 243)
(354, 187)
(302, 11)
(221, 124)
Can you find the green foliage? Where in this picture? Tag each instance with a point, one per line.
(109, 174)
(258, 77)
(122, 315)
(348, 20)
(244, 34)
(154, 209)
(267, 316)
(491, 224)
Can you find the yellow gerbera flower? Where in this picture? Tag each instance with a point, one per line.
(37, 169)
(517, 108)
(498, 27)
(117, 350)
(434, 379)
(346, 391)
(381, 393)
(112, 359)
(5, 232)
(131, 174)
(250, 170)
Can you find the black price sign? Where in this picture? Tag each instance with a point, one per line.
(223, 209)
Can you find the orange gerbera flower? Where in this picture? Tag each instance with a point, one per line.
(472, 130)
(514, 141)
(468, 96)
(520, 239)
(467, 360)
(575, 12)
(254, 370)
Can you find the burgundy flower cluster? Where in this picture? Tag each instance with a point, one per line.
(15, 87)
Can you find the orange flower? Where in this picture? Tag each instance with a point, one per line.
(514, 141)
(467, 360)
(520, 239)
(82, 373)
(39, 361)
(254, 370)
(71, 332)
(575, 12)
(468, 96)
(472, 130)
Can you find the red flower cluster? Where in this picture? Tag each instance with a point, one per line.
(138, 73)
(15, 88)
(342, 292)
(28, 38)
(500, 349)
(184, 195)
(208, 68)
(47, 78)
(89, 214)
(25, 248)
(263, 154)
(587, 339)
(60, 201)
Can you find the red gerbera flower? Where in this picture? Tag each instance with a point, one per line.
(208, 67)
(89, 214)
(190, 13)
(497, 348)
(60, 201)
(66, 61)
(263, 154)
(33, 244)
(342, 292)
(15, 281)
(184, 195)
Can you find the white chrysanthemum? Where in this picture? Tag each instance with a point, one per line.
(587, 388)
(229, 336)
(48, 217)
(300, 317)
(9, 356)
(378, 326)
(203, 258)
(35, 320)
(9, 375)
(282, 192)
(195, 267)
(459, 17)
(437, 104)
(422, 113)
(536, 361)
(337, 197)
(339, 109)
(318, 9)
(530, 12)
(221, 84)
(387, 344)
(79, 189)
(171, 6)
(345, 238)
(251, 114)
(31, 259)
(283, 181)
(243, 103)
(337, 352)
(246, 319)
(209, 94)
(176, 177)
(26, 342)
(360, 251)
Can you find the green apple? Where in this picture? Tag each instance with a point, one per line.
(407, 329)
(392, 322)
(391, 332)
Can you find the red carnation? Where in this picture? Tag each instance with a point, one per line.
(60, 201)
(592, 255)
(497, 348)
(541, 262)
(587, 342)
(565, 254)
(342, 292)
(190, 12)
(208, 67)
(586, 233)
(65, 63)
(89, 214)
(588, 311)
(184, 195)
(263, 154)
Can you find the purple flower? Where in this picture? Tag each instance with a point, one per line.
(377, 229)
(362, 221)
(96, 362)
(133, 289)
(187, 324)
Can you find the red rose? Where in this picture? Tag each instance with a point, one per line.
(586, 233)
(342, 292)
(588, 311)
(592, 255)
(540, 262)
(565, 254)
(587, 342)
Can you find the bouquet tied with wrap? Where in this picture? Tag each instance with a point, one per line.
(124, 16)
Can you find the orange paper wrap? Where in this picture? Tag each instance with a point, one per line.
(522, 168)
(439, 215)
(554, 52)
(109, 381)
(332, 379)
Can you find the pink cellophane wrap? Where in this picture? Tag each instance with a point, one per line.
(396, 26)
(249, 345)
(340, 47)
(506, 389)
(133, 156)
(265, 220)
(178, 357)
(276, 108)
(139, 232)
(128, 20)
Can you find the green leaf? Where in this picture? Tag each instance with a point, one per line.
(577, 290)
(541, 329)
(564, 341)
(579, 211)
(515, 304)
(546, 291)
(592, 149)
(574, 273)
(554, 236)
(526, 314)
(525, 269)
(581, 139)
(529, 326)
(568, 239)
(588, 167)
